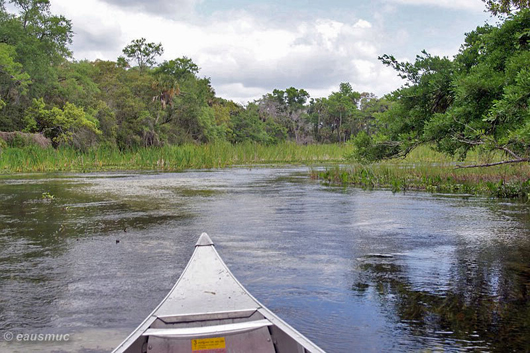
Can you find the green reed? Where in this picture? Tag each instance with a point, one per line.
(166, 158)
(427, 170)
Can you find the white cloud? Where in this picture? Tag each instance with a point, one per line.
(248, 54)
(450, 4)
(165, 8)
(238, 92)
(97, 29)
(311, 55)
(362, 24)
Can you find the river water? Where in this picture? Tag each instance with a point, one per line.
(353, 270)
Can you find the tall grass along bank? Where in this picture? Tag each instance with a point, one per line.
(167, 158)
(426, 170)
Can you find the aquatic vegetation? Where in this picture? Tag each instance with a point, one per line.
(423, 169)
(166, 158)
(47, 196)
(499, 182)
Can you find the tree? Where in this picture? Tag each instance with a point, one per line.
(318, 115)
(34, 42)
(125, 105)
(491, 96)
(370, 107)
(143, 53)
(178, 69)
(169, 74)
(426, 93)
(248, 125)
(288, 109)
(62, 126)
(498, 7)
(192, 113)
(342, 108)
(479, 100)
(14, 84)
(14, 81)
(41, 40)
(224, 112)
(75, 84)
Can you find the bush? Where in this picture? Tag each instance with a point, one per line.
(367, 150)
(20, 139)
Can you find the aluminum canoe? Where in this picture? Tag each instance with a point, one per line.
(209, 311)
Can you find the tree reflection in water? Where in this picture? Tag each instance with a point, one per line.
(484, 307)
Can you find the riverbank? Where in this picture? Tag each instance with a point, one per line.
(423, 169)
(165, 159)
(427, 170)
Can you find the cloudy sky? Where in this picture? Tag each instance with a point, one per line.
(250, 47)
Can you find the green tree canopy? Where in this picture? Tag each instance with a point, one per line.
(498, 7)
(34, 42)
(41, 40)
(13, 80)
(342, 109)
(143, 53)
(60, 125)
(288, 109)
(480, 99)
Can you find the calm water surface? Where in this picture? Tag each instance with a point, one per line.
(354, 270)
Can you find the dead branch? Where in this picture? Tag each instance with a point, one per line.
(512, 161)
(470, 142)
(510, 152)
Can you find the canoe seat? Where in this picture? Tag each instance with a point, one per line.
(245, 314)
(196, 332)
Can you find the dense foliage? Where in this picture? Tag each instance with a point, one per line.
(500, 7)
(479, 99)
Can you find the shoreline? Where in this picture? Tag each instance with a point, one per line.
(423, 170)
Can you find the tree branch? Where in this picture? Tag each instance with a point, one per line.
(512, 161)
(510, 152)
(470, 142)
(497, 147)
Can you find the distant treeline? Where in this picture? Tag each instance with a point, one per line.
(478, 99)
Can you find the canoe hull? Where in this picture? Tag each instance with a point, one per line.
(209, 311)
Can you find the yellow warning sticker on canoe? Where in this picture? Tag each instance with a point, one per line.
(216, 344)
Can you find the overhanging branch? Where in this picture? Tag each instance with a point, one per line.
(512, 161)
